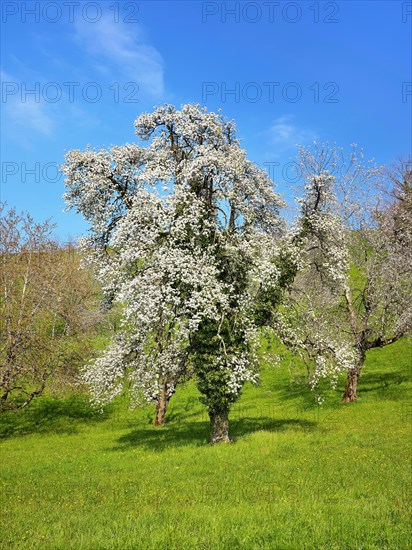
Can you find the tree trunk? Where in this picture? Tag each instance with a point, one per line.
(161, 407)
(219, 427)
(351, 385)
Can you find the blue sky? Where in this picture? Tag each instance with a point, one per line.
(78, 73)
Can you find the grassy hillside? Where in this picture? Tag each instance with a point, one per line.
(299, 476)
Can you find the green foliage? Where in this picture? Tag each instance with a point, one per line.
(212, 380)
(299, 476)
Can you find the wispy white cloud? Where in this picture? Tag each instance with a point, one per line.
(29, 117)
(32, 115)
(5, 77)
(285, 134)
(23, 113)
(119, 48)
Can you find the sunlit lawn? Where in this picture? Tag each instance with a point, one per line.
(297, 476)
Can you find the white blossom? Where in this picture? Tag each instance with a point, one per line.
(184, 229)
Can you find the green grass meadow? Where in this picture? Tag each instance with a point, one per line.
(298, 475)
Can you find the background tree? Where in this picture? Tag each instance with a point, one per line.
(81, 317)
(43, 303)
(354, 291)
(397, 185)
(186, 233)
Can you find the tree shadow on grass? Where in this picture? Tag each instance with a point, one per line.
(49, 414)
(385, 385)
(246, 426)
(299, 395)
(197, 433)
(299, 400)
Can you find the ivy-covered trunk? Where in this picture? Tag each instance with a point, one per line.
(351, 385)
(219, 427)
(161, 406)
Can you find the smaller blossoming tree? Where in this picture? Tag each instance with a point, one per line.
(354, 291)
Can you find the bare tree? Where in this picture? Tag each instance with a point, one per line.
(44, 308)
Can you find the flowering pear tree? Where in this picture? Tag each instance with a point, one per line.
(354, 291)
(186, 235)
